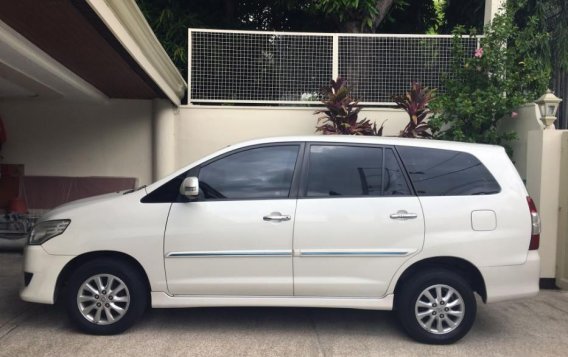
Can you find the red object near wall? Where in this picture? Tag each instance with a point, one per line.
(46, 192)
(17, 205)
(10, 181)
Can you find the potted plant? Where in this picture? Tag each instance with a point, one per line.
(416, 102)
(341, 112)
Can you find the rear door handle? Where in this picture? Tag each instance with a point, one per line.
(403, 215)
(276, 217)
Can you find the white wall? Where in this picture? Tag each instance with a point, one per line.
(527, 120)
(492, 8)
(62, 138)
(537, 157)
(562, 247)
(201, 130)
(543, 184)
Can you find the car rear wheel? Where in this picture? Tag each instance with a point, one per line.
(436, 307)
(105, 297)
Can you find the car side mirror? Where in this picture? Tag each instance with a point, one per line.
(189, 187)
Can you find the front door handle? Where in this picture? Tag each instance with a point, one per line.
(276, 217)
(403, 215)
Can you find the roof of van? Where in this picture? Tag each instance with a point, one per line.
(361, 139)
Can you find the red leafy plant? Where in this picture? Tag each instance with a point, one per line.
(341, 113)
(416, 103)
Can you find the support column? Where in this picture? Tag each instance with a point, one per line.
(492, 8)
(163, 140)
(543, 184)
(562, 250)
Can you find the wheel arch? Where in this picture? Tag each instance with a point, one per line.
(457, 265)
(79, 260)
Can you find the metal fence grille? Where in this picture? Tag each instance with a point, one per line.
(378, 67)
(291, 68)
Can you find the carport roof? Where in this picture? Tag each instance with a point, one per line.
(106, 43)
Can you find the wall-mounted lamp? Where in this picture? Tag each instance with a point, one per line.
(548, 106)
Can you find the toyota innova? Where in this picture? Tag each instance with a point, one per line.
(416, 226)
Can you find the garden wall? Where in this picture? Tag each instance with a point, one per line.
(201, 130)
(537, 157)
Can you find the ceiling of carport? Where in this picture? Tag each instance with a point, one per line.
(73, 35)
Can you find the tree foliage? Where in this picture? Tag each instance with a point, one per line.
(466, 13)
(505, 72)
(355, 15)
(412, 16)
(550, 16)
(170, 18)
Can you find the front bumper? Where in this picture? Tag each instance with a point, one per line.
(513, 281)
(45, 268)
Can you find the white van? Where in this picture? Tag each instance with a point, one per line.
(416, 226)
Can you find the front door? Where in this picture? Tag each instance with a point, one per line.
(356, 222)
(236, 239)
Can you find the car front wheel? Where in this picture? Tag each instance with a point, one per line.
(436, 307)
(105, 297)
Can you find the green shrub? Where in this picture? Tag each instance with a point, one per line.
(504, 72)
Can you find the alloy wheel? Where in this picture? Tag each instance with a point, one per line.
(439, 309)
(103, 299)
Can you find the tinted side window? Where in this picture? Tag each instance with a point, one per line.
(344, 171)
(264, 172)
(394, 183)
(436, 172)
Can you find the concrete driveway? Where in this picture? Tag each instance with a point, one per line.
(535, 327)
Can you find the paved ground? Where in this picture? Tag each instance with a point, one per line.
(535, 327)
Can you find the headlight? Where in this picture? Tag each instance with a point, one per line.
(44, 231)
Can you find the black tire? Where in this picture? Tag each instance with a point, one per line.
(136, 290)
(412, 290)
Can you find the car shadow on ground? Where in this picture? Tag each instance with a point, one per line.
(275, 320)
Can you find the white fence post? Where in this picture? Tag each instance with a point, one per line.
(335, 66)
(189, 65)
(492, 8)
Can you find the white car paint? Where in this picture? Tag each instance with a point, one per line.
(202, 231)
(350, 247)
(300, 266)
